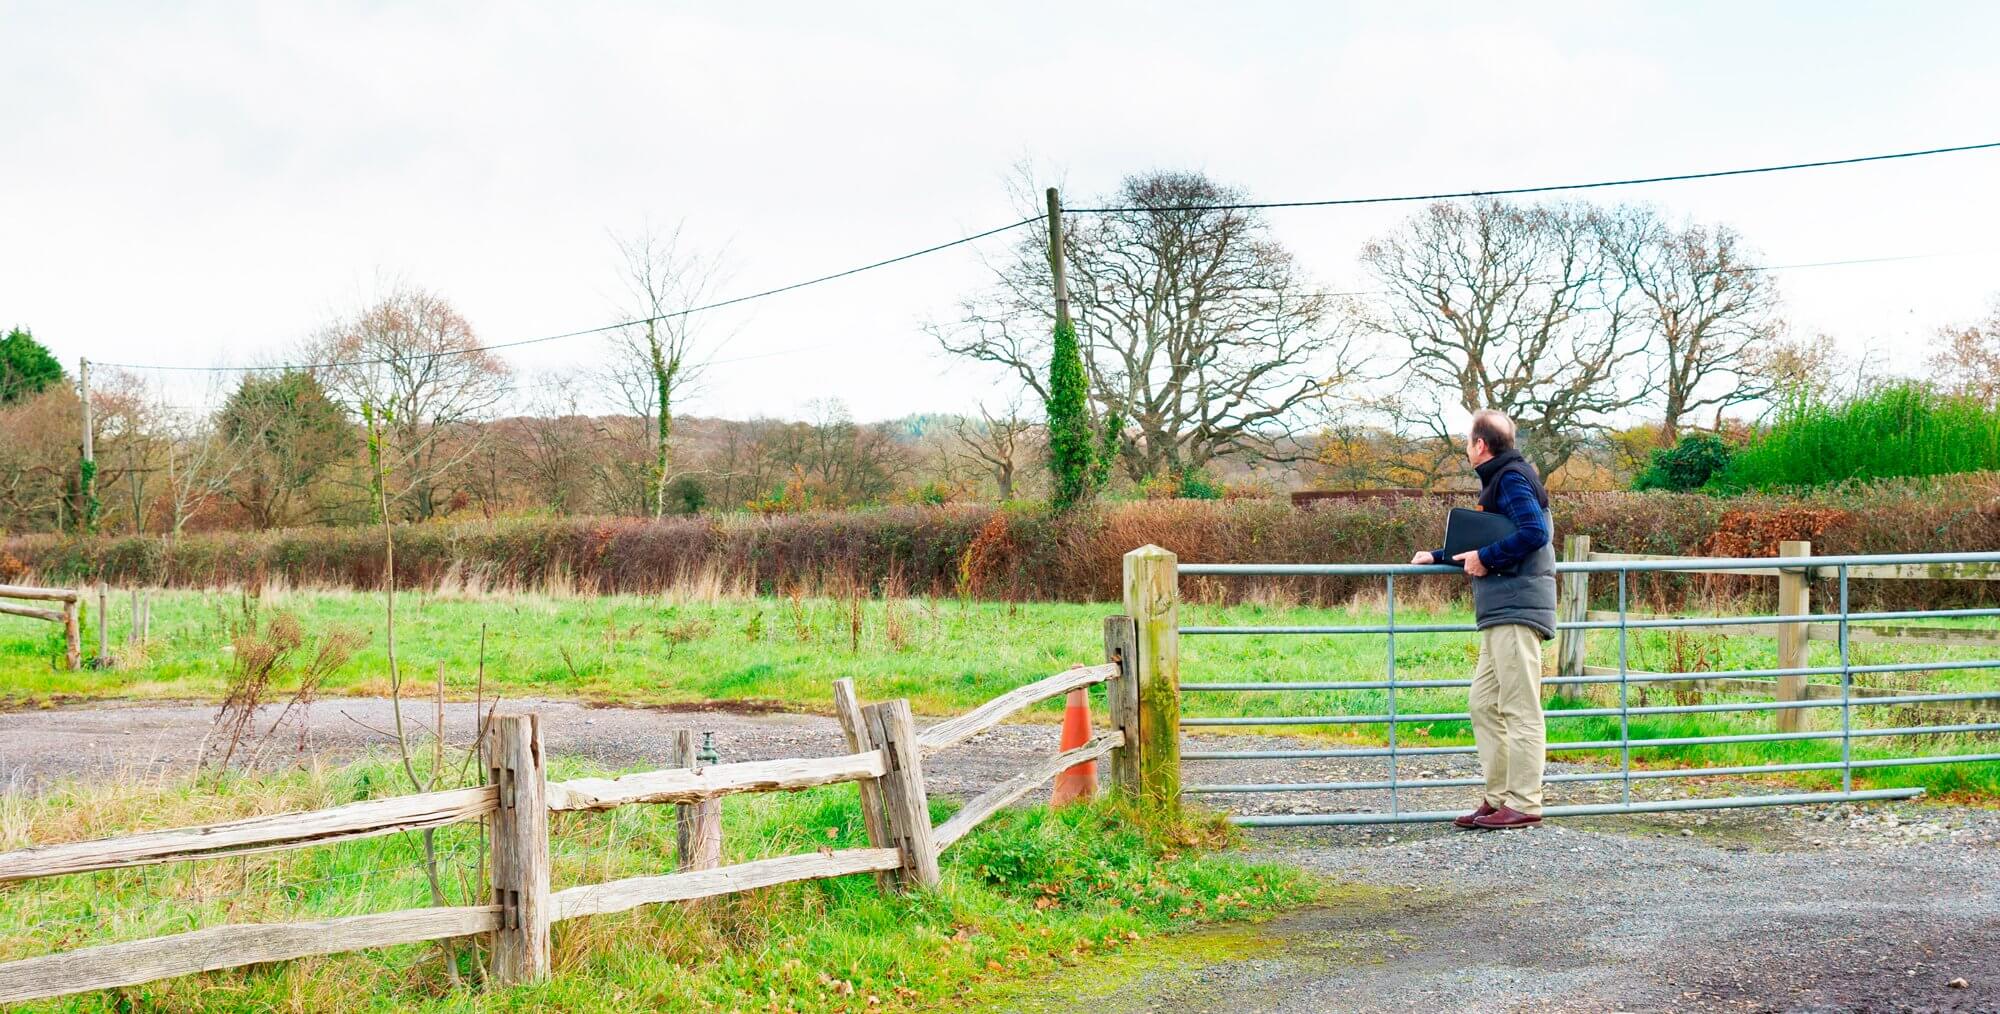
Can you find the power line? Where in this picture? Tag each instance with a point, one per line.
(592, 330)
(1746, 268)
(1550, 188)
(1545, 189)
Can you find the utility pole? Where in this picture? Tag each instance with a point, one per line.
(1056, 258)
(87, 472)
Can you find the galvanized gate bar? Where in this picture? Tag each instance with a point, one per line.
(1668, 623)
(1636, 677)
(1842, 702)
(1578, 810)
(1389, 594)
(1805, 563)
(1638, 774)
(1602, 744)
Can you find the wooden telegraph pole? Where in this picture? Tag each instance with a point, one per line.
(87, 472)
(1056, 258)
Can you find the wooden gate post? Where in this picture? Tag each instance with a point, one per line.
(697, 826)
(1794, 599)
(1572, 606)
(874, 815)
(1121, 645)
(890, 725)
(1152, 599)
(520, 849)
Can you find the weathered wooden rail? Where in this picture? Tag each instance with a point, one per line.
(71, 601)
(514, 804)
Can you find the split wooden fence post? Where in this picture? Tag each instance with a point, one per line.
(697, 826)
(520, 849)
(73, 632)
(1573, 606)
(103, 626)
(1152, 599)
(874, 815)
(1121, 646)
(1794, 599)
(892, 728)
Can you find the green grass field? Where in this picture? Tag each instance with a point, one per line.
(1029, 891)
(948, 655)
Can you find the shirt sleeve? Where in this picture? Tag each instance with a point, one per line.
(1531, 525)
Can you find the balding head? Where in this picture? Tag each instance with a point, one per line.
(1494, 429)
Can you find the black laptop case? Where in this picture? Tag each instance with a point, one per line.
(1466, 529)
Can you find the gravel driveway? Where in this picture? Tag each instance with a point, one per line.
(1825, 908)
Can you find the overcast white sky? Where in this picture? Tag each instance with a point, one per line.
(206, 183)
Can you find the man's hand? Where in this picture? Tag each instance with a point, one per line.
(1471, 562)
(1423, 557)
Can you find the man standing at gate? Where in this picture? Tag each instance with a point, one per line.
(1514, 605)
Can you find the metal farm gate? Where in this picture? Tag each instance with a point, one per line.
(1790, 695)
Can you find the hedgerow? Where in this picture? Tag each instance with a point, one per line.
(1029, 554)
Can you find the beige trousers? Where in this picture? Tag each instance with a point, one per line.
(1506, 706)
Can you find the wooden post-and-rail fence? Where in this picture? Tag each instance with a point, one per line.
(885, 760)
(70, 603)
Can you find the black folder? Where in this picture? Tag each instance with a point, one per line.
(1466, 529)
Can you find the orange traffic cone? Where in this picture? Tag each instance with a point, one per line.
(1079, 781)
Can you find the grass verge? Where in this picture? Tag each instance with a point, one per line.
(1031, 891)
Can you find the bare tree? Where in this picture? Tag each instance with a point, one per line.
(198, 466)
(1810, 368)
(1710, 313)
(1969, 362)
(1198, 329)
(999, 443)
(1508, 307)
(841, 462)
(128, 443)
(38, 460)
(416, 361)
(660, 358)
(551, 447)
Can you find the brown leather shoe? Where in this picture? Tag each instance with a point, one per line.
(1506, 818)
(1465, 820)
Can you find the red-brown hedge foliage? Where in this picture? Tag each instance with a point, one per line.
(982, 552)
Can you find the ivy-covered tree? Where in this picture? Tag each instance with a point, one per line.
(1070, 445)
(26, 366)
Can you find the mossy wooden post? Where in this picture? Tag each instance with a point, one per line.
(1152, 599)
(889, 724)
(1122, 700)
(1573, 606)
(520, 849)
(1794, 599)
(697, 826)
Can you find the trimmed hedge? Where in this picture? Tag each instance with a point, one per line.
(988, 553)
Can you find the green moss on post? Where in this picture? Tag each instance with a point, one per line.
(1152, 599)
